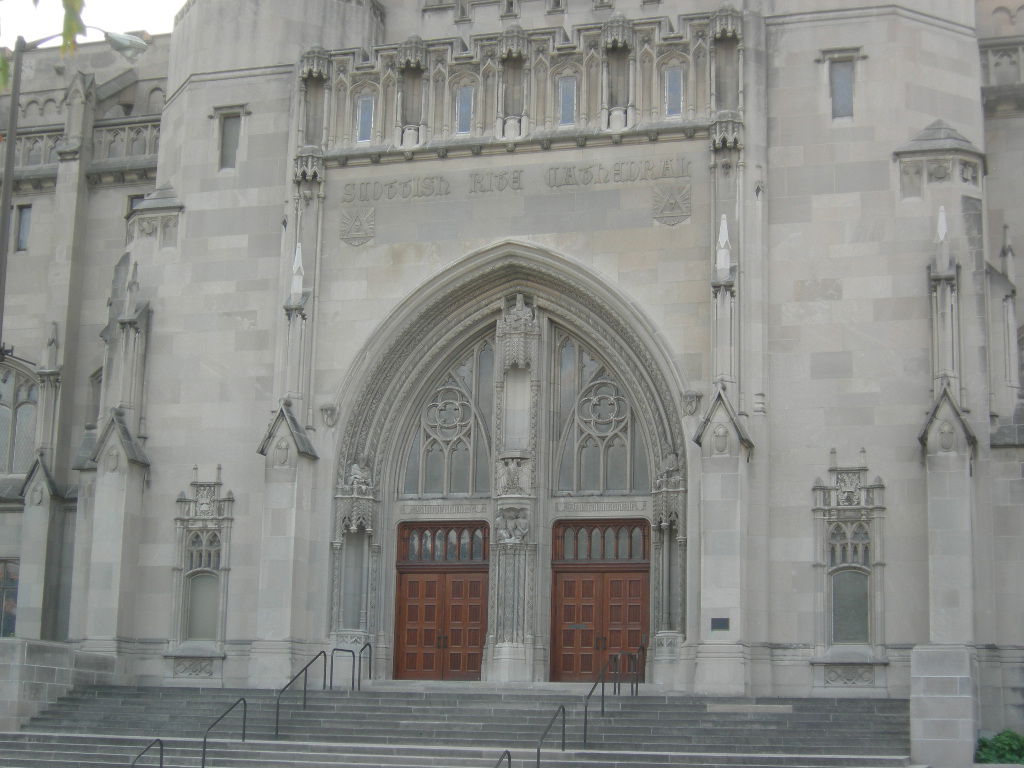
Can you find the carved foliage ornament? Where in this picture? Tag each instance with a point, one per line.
(315, 63)
(518, 334)
(617, 31)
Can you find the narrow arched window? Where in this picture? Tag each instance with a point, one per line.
(449, 451)
(600, 448)
(18, 399)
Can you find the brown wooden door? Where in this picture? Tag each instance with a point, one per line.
(441, 606)
(462, 634)
(601, 592)
(596, 614)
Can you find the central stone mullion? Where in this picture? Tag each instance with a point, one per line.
(515, 439)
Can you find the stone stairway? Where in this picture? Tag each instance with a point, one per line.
(399, 725)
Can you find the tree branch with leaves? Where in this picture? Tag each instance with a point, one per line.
(73, 27)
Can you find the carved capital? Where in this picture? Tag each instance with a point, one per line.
(315, 63)
(309, 165)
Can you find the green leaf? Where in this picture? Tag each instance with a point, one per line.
(5, 73)
(73, 24)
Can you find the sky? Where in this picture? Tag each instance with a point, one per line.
(21, 17)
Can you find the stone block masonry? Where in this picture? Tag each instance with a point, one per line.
(34, 673)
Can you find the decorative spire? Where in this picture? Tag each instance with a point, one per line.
(723, 255)
(943, 261)
(297, 271)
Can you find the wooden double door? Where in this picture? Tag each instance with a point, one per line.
(441, 606)
(601, 596)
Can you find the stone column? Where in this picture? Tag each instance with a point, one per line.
(283, 573)
(35, 534)
(511, 658)
(512, 557)
(944, 695)
(722, 656)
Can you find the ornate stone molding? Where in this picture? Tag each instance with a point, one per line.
(315, 63)
(726, 22)
(466, 298)
(513, 42)
(617, 31)
(308, 165)
(726, 134)
(518, 334)
(411, 53)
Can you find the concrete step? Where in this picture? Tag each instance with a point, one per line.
(51, 750)
(397, 725)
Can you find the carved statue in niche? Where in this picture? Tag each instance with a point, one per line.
(520, 527)
(669, 478)
(511, 526)
(519, 330)
(359, 479)
(501, 529)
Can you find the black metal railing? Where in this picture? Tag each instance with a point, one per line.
(161, 743)
(635, 664)
(303, 673)
(613, 659)
(506, 756)
(369, 669)
(353, 655)
(540, 741)
(206, 736)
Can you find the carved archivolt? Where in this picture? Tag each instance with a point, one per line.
(469, 297)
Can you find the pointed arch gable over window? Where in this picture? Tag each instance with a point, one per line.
(411, 345)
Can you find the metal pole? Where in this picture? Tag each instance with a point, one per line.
(7, 189)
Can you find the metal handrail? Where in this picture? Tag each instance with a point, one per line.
(600, 679)
(640, 657)
(369, 669)
(561, 709)
(245, 714)
(161, 743)
(277, 704)
(507, 756)
(344, 650)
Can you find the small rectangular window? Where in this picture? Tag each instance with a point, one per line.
(230, 131)
(566, 100)
(464, 109)
(673, 91)
(23, 227)
(364, 118)
(840, 75)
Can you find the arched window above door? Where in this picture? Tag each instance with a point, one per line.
(449, 453)
(599, 445)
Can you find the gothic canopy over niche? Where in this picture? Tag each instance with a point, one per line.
(417, 340)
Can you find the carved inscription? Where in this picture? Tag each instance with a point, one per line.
(484, 182)
(410, 188)
(444, 510)
(577, 507)
(621, 172)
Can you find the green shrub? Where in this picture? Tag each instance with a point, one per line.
(1005, 747)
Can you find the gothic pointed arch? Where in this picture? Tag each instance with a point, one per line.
(414, 342)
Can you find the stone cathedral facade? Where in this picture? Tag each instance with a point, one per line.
(509, 336)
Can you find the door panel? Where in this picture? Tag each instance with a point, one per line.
(442, 622)
(596, 614)
(463, 635)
